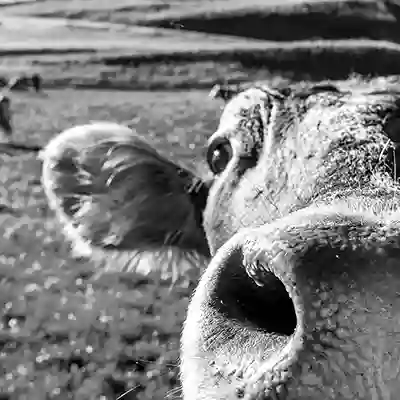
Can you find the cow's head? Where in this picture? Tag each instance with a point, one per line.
(301, 296)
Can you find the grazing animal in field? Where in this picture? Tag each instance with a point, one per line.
(3, 81)
(301, 223)
(36, 80)
(25, 82)
(16, 83)
(5, 113)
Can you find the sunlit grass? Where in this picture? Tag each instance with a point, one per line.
(65, 331)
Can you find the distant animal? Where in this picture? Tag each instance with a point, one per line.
(16, 83)
(6, 126)
(300, 222)
(3, 81)
(36, 80)
(25, 82)
(5, 113)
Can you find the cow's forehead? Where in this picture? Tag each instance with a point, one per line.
(241, 104)
(349, 98)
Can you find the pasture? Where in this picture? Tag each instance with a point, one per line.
(66, 332)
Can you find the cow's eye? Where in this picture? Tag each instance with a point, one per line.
(219, 153)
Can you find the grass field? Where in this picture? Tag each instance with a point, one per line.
(63, 332)
(157, 44)
(67, 332)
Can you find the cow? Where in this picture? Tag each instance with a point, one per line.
(5, 113)
(300, 223)
(36, 80)
(16, 83)
(22, 82)
(25, 82)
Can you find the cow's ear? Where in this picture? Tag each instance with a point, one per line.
(118, 198)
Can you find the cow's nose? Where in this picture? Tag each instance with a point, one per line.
(308, 307)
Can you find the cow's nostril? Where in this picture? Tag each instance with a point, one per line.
(267, 307)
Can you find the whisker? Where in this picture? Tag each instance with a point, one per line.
(174, 393)
(127, 392)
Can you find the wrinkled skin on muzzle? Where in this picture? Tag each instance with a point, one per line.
(300, 224)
